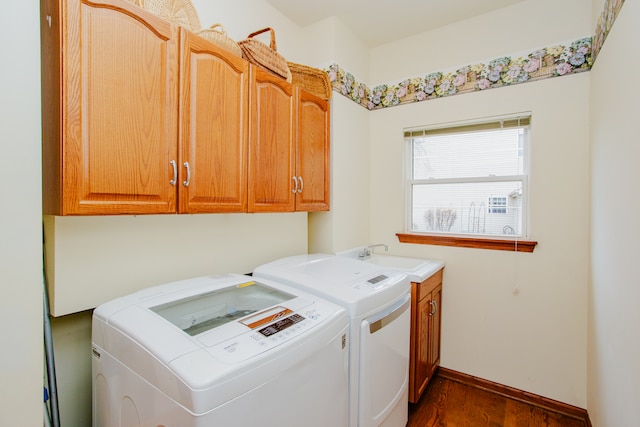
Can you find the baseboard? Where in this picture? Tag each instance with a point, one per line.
(520, 395)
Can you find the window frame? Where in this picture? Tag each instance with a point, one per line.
(520, 242)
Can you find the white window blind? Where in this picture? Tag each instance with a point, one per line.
(469, 178)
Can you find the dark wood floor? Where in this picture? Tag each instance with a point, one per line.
(450, 403)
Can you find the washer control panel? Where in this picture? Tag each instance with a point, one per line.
(281, 325)
(263, 338)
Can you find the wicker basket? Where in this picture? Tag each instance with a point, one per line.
(217, 35)
(180, 12)
(313, 80)
(264, 56)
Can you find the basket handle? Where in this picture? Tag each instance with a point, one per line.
(264, 30)
(221, 29)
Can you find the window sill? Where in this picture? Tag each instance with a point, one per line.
(469, 242)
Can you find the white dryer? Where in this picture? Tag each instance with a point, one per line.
(220, 351)
(378, 302)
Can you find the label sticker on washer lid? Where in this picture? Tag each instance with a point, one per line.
(266, 316)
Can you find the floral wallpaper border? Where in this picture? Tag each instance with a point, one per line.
(540, 64)
(605, 22)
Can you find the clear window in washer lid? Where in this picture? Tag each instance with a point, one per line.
(200, 313)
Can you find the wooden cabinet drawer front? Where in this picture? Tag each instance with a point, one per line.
(429, 284)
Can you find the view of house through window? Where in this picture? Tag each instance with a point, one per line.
(469, 179)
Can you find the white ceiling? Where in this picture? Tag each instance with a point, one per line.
(377, 22)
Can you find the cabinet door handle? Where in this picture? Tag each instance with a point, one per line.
(175, 172)
(295, 184)
(188, 181)
(431, 312)
(301, 187)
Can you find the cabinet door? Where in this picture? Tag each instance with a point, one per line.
(214, 88)
(434, 329)
(312, 160)
(271, 147)
(120, 83)
(423, 367)
(425, 333)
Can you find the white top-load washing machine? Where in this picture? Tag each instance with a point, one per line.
(378, 302)
(220, 351)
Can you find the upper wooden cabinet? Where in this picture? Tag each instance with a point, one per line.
(214, 113)
(143, 117)
(271, 143)
(110, 102)
(289, 147)
(312, 159)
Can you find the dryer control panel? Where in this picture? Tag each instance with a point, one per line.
(374, 283)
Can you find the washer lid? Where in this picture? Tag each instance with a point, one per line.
(180, 317)
(200, 313)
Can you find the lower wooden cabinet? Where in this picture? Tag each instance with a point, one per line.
(426, 298)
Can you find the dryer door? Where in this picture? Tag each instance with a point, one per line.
(384, 366)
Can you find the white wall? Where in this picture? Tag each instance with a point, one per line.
(91, 260)
(535, 339)
(21, 363)
(614, 346)
(347, 224)
(515, 30)
(72, 338)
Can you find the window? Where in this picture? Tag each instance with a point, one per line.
(469, 179)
